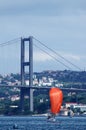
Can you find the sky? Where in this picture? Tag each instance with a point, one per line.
(59, 24)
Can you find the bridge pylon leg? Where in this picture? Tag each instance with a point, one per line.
(23, 65)
(22, 100)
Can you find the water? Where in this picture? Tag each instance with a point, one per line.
(41, 123)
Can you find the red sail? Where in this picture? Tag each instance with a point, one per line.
(56, 98)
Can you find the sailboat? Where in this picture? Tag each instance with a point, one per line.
(56, 98)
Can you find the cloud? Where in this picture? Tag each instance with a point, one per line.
(41, 57)
(72, 57)
(71, 60)
(37, 7)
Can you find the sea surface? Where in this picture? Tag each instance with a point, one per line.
(41, 123)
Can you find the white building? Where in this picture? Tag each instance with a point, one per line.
(75, 105)
(81, 106)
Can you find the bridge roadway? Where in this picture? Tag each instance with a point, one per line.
(35, 87)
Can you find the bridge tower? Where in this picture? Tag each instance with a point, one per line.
(28, 63)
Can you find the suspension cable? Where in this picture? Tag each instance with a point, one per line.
(58, 54)
(9, 42)
(53, 57)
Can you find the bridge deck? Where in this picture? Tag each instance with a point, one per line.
(35, 87)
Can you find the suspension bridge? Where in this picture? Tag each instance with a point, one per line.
(29, 63)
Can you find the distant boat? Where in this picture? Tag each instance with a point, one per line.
(56, 98)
